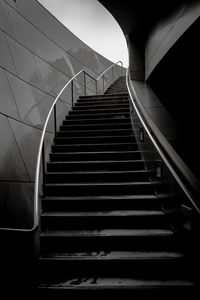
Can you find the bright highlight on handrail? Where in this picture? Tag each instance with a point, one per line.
(110, 68)
(37, 172)
(40, 149)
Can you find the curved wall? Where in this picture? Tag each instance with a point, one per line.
(38, 55)
(167, 31)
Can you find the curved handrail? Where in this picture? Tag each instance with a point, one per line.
(110, 67)
(38, 163)
(37, 171)
(165, 150)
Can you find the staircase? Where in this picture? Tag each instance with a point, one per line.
(103, 231)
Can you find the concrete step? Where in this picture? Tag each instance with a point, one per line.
(107, 120)
(87, 127)
(94, 140)
(95, 147)
(103, 155)
(146, 239)
(95, 111)
(104, 219)
(106, 188)
(123, 95)
(117, 287)
(96, 132)
(102, 102)
(98, 115)
(155, 264)
(109, 165)
(91, 203)
(103, 176)
(103, 105)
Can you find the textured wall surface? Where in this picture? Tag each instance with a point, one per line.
(38, 55)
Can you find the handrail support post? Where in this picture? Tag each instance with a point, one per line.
(72, 92)
(96, 87)
(84, 78)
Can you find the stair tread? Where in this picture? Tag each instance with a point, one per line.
(106, 105)
(102, 197)
(105, 96)
(109, 233)
(96, 137)
(100, 183)
(113, 255)
(95, 283)
(117, 118)
(123, 213)
(104, 124)
(75, 109)
(99, 114)
(94, 161)
(101, 144)
(97, 172)
(97, 152)
(97, 130)
(94, 127)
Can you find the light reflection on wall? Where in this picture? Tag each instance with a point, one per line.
(38, 55)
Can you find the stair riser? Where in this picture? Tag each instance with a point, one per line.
(112, 116)
(99, 106)
(81, 223)
(115, 90)
(95, 127)
(97, 177)
(95, 140)
(121, 97)
(145, 292)
(95, 156)
(95, 111)
(146, 268)
(97, 147)
(99, 111)
(98, 190)
(120, 119)
(108, 243)
(94, 205)
(95, 166)
(95, 133)
(102, 102)
(120, 87)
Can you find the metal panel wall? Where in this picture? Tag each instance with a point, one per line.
(38, 55)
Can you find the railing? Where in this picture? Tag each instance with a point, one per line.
(181, 173)
(113, 75)
(41, 149)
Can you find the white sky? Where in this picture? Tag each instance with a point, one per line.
(93, 24)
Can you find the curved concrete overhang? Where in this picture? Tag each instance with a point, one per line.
(137, 17)
(151, 29)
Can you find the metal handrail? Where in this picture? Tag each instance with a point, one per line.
(163, 148)
(109, 69)
(105, 71)
(37, 171)
(41, 147)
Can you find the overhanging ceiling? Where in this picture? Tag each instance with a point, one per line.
(138, 17)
